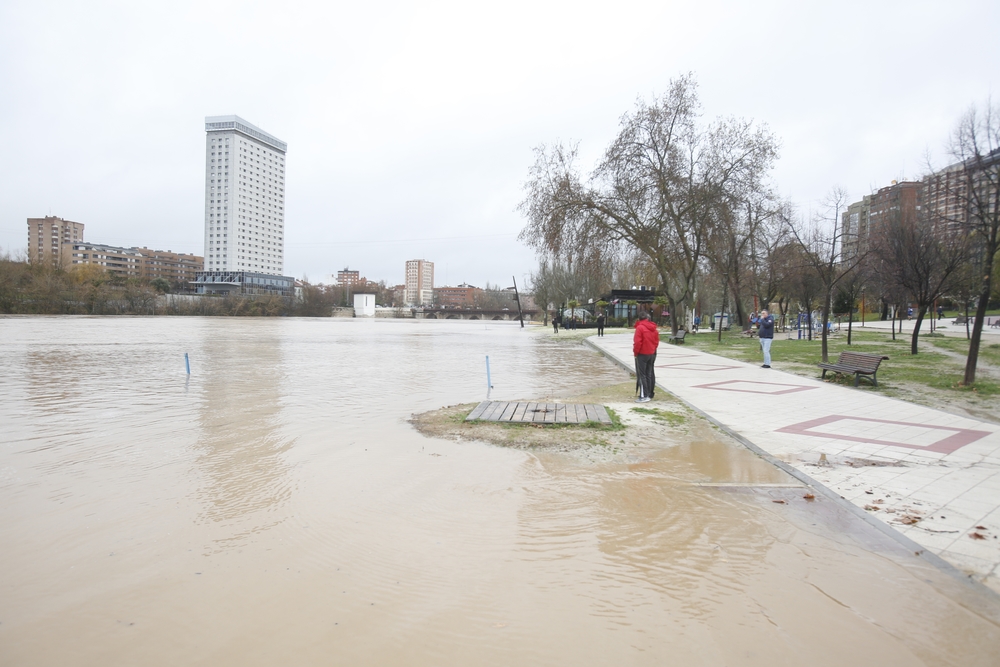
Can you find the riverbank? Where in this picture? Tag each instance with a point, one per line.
(930, 477)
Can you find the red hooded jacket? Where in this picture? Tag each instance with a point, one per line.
(646, 338)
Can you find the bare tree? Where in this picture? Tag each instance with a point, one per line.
(920, 257)
(975, 184)
(769, 259)
(731, 245)
(656, 191)
(823, 249)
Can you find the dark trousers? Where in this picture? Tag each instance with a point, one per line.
(600, 328)
(646, 374)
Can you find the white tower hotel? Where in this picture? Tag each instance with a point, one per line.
(244, 197)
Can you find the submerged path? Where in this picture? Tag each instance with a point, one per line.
(932, 476)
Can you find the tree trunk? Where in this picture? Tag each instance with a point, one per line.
(850, 321)
(826, 318)
(977, 325)
(722, 314)
(916, 329)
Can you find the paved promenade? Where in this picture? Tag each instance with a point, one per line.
(930, 475)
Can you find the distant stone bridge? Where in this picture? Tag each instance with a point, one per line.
(470, 314)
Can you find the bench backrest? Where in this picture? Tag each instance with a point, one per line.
(867, 362)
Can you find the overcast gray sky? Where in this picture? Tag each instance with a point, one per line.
(410, 126)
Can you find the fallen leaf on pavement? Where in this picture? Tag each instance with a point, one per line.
(809, 496)
(977, 536)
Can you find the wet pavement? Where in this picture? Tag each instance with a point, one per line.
(931, 476)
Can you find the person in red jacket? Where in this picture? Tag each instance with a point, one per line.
(644, 344)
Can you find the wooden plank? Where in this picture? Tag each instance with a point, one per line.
(508, 412)
(493, 411)
(602, 415)
(576, 414)
(528, 414)
(477, 411)
(550, 415)
(561, 413)
(539, 415)
(519, 412)
(591, 412)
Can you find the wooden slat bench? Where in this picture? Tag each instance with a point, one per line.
(678, 337)
(961, 319)
(857, 363)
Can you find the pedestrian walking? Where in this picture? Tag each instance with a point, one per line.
(555, 322)
(940, 312)
(644, 344)
(600, 323)
(765, 334)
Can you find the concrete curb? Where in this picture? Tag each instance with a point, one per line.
(887, 530)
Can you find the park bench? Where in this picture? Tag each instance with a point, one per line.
(857, 363)
(961, 319)
(678, 337)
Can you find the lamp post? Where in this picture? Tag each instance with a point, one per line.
(517, 297)
(862, 306)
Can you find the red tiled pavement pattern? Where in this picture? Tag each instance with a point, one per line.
(944, 439)
(755, 387)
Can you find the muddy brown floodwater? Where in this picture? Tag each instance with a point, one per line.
(278, 507)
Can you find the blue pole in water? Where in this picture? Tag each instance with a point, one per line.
(489, 384)
(187, 363)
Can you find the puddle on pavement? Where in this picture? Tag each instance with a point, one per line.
(278, 507)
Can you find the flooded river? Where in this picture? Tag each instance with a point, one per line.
(276, 507)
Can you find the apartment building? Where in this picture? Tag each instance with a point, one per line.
(461, 296)
(348, 278)
(244, 197)
(899, 201)
(125, 262)
(854, 227)
(419, 282)
(174, 267)
(47, 235)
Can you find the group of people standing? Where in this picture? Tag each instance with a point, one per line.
(646, 340)
(557, 320)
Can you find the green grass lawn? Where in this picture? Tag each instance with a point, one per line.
(932, 369)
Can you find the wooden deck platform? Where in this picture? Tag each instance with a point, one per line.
(539, 413)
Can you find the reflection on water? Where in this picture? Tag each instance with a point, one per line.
(277, 503)
(240, 450)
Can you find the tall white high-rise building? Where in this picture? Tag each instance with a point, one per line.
(244, 197)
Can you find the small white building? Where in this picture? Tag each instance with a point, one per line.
(364, 305)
